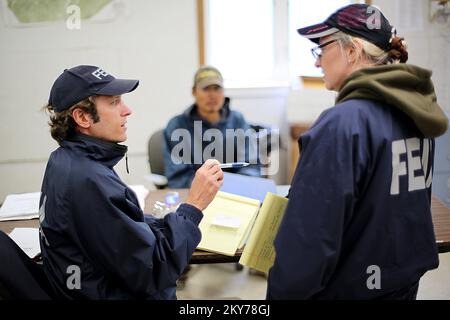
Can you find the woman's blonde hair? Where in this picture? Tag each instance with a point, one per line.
(398, 52)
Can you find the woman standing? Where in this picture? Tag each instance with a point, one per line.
(358, 223)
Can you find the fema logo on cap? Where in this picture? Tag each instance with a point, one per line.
(100, 74)
(81, 82)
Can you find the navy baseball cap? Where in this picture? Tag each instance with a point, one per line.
(81, 82)
(359, 20)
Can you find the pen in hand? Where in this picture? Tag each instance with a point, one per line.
(233, 165)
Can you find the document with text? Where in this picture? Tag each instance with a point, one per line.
(259, 252)
(28, 240)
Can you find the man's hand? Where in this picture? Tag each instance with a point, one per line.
(207, 181)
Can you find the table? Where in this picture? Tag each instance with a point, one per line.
(441, 221)
(440, 214)
(198, 257)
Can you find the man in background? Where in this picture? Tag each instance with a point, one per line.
(210, 114)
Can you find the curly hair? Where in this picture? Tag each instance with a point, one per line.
(399, 49)
(62, 125)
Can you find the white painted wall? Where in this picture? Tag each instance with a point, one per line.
(428, 43)
(154, 41)
(267, 106)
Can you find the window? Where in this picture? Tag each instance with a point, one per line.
(301, 14)
(255, 42)
(239, 38)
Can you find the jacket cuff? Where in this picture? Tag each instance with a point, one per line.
(190, 212)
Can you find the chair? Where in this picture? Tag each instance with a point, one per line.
(266, 136)
(441, 172)
(156, 160)
(20, 277)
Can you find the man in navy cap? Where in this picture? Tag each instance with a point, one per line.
(96, 242)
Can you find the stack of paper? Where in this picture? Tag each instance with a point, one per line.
(28, 240)
(20, 206)
(259, 252)
(227, 223)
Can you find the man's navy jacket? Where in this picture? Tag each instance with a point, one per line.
(95, 241)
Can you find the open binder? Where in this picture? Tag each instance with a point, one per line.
(233, 222)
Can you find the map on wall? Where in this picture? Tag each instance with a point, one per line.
(26, 12)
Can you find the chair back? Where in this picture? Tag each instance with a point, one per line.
(155, 152)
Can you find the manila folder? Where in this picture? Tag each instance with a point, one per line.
(259, 252)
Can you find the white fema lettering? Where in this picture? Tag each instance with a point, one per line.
(416, 164)
(100, 74)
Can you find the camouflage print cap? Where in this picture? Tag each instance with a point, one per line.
(207, 76)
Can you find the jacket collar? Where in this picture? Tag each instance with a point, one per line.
(192, 114)
(109, 153)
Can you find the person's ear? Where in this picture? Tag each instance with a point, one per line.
(81, 118)
(354, 51)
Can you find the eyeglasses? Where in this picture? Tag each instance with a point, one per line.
(317, 51)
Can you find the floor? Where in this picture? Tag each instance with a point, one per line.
(223, 281)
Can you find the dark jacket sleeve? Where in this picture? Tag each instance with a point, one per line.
(321, 201)
(178, 175)
(112, 233)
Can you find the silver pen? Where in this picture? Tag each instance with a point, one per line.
(233, 165)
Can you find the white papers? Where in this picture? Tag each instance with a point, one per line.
(28, 240)
(141, 193)
(25, 206)
(20, 206)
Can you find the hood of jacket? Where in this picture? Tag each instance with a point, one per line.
(404, 86)
(109, 153)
